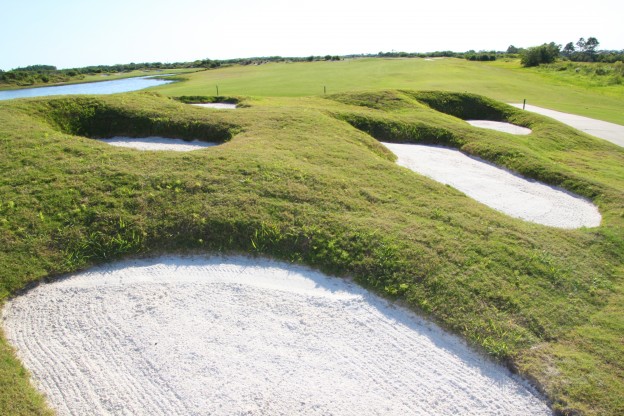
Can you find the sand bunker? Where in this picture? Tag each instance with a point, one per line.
(158, 143)
(498, 188)
(219, 106)
(240, 336)
(499, 126)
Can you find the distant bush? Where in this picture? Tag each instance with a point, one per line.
(481, 57)
(36, 68)
(544, 54)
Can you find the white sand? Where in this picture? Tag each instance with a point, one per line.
(239, 336)
(603, 129)
(499, 126)
(498, 188)
(219, 106)
(157, 143)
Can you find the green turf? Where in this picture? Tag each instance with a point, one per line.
(305, 180)
(504, 81)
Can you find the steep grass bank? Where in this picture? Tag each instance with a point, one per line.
(295, 180)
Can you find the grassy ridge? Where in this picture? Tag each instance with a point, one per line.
(503, 81)
(304, 180)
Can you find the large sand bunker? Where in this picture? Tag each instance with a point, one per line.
(158, 143)
(240, 336)
(497, 188)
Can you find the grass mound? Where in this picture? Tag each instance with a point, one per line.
(195, 99)
(463, 105)
(297, 181)
(93, 118)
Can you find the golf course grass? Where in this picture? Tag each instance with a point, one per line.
(504, 81)
(306, 180)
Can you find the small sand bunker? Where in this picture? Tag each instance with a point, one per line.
(224, 336)
(219, 106)
(157, 143)
(498, 188)
(499, 126)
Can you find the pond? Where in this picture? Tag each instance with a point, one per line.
(102, 87)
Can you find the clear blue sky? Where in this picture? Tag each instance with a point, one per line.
(72, 33)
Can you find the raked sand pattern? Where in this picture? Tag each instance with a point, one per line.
(499, 189)
(234, 336)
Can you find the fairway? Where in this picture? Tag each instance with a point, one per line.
(504, 81)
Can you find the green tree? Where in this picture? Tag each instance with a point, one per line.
(568, 49)
(586, 49)
(591, 45)
(512, 49)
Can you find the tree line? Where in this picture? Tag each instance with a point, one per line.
(581, 51)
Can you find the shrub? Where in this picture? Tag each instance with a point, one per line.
(544, 54)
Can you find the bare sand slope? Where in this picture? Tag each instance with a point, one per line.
(603, 129)
(218, 106)
(234, 336)
(499, 126)
(157, 143)
(498, 188)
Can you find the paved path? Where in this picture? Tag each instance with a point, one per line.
(603, 129)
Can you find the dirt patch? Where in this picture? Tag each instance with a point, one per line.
(244, 336)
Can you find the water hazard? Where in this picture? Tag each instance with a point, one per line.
(102, 87)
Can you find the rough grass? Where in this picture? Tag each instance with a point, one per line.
(305, 180)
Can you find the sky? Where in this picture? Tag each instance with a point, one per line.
(73, 33)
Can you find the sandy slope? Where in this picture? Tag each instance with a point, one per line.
(497, 188)
(157, 143)
(218, 106)
(603, 129)
(499, 126)
(233, 336)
